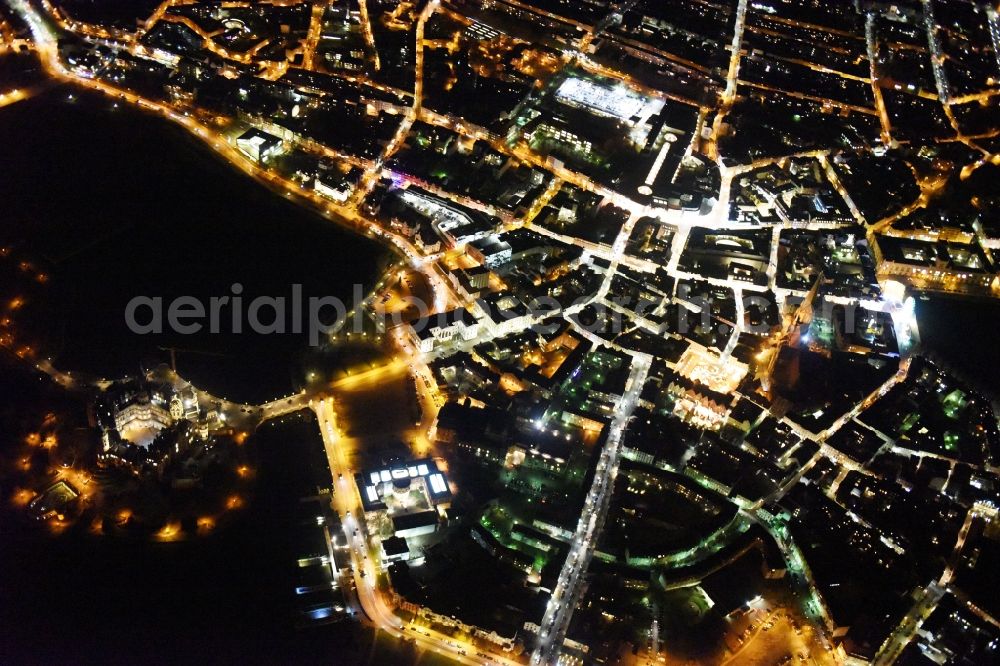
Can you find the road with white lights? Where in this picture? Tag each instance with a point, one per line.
(363, 570)
(569, 587)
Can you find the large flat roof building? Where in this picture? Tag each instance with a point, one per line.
(258, 144)
(383, 486)
(415, 524)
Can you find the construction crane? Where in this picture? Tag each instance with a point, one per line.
(173, 354)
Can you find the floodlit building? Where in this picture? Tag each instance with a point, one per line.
(442, 328)
(184, 404)
(719, 374)
(403, 487)
(559, 133)
(607, 98)
(259, 145)
(452, 223)
(491, 252)
(504, 313)
(142, 414)
(938, 266)
(698, 406)
(335, 185)
(146, 423)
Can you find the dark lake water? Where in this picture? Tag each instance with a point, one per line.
(226, 598)
(113, 204)
(116, 204)
(964, 334)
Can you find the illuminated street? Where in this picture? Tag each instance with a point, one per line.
(664, 361)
